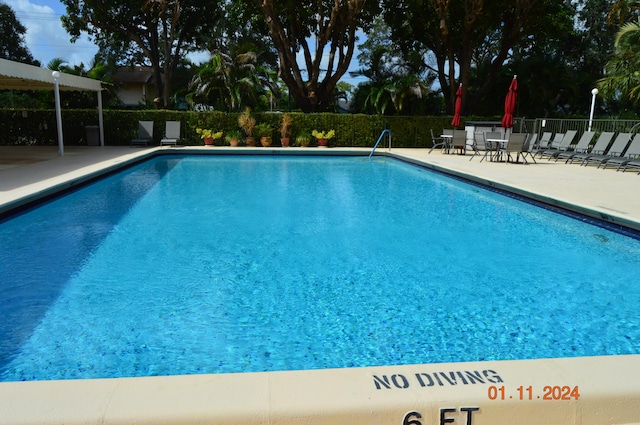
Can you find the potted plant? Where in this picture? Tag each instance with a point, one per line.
(285, 129)
(303, 139)
(209, 136)
(247, 123)
(233, 137)
(323, 136)
(265, 132)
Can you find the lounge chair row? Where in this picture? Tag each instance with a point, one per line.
(621, 150)
(609, 150)
(145, 133)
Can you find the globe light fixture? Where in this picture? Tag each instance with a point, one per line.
(594, 93)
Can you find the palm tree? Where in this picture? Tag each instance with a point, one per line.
(233, 80)
(622, 78)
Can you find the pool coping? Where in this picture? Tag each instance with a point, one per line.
(609, 386)
(581, 390)
(615, 221)
(53, 186)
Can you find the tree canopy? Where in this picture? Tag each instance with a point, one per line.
(414, 58)
(12, 44)
(622, 79)
(158, 32)
(463, 35)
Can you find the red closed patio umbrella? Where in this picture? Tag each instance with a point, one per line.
(510, 103)
(458, 108)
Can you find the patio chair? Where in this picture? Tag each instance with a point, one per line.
(441, 142)
(171, 134)
(581, 147)
(632, 153)
(145, 133)
(563, 146)
(528, 146)
(616, 150)
(600, 146)
(479, 145)
(515, 145)
(459, 141)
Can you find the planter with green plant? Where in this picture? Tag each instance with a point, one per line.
(303, 138)
(209, 136)
(323, 137)
(265, 132)
(233, 137)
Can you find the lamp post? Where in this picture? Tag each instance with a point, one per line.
(56, 76)
(594, 93)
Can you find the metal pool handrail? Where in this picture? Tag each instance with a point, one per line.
(387, 131)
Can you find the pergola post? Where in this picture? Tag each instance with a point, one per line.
(56, 90)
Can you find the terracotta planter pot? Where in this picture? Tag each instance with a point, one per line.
(233, 142)
(285, 142)
(209, 141)
(323, 143)
(265, 141)
(250, 141)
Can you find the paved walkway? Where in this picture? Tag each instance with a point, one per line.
(27, 173)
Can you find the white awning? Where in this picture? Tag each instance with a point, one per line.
(20, 76)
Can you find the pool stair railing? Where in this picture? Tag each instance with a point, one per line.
(388, 132)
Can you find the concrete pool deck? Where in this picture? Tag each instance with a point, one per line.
(592, 390)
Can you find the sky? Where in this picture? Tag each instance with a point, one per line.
(47, 39)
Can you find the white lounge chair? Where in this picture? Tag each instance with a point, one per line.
(172, 133)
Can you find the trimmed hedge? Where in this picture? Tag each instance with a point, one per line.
(38, 127)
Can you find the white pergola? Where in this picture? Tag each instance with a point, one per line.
(20, 76)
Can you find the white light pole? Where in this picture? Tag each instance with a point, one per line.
(56, 75)
(594, 93)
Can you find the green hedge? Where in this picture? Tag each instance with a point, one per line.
(38, 127)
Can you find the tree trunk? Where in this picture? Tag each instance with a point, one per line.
(337, 31)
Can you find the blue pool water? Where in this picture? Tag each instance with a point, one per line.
(197, 264)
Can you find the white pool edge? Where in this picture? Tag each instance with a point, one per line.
(600, 390)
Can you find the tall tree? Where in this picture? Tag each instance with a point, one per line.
(323, 32)
(162, 30)
(458, 31)
(12, 44)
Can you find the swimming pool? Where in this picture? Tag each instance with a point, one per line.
(206, 265)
